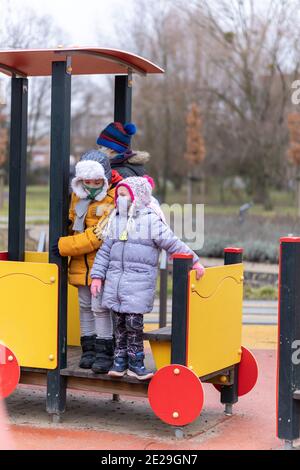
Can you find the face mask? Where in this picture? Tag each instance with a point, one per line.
(92, 191)
(123, 205)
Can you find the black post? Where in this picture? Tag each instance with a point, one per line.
(123, 98)
(229, 393)
(17, 169)
(163, 297)
(288, 409)
(163, 290)
(181, 268)
(59, 207)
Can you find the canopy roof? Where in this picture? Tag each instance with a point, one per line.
(85, 61)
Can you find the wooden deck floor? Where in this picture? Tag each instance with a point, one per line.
(85, 379)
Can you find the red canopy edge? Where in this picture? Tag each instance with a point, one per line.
(85, 61)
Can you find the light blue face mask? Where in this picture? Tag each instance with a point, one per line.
(123, 205)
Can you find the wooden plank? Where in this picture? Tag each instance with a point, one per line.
(117, 387)
(213, 377)
(85, 379)
(89, 375)
(33, 378)
(73, 370)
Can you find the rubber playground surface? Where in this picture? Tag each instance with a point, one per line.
(94, 421)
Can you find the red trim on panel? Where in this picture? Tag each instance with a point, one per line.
(231, 249)
(188, 320)
(181, 255)
(278, 340)
(3, 256)
(290, 239)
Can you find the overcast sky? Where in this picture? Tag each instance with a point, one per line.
(81, 18)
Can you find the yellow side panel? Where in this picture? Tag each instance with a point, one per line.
(36, 257)
(73, 317)
(215, 319)
(161, 352)
(73, 305)
(28, 315)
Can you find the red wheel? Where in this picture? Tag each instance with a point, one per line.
(176, 395)
(248, 373)
(9, 371)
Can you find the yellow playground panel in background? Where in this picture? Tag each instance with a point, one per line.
(214, 330)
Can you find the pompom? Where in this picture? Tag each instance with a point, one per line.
(130, 128)
(150, 181)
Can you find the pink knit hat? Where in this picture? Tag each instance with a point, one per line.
(140, 189)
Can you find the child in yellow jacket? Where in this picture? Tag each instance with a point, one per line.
(92, 201)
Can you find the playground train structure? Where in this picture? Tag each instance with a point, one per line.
(39, 324)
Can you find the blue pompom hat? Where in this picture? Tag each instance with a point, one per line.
(117, 136)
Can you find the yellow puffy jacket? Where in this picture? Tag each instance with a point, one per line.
(82, 247)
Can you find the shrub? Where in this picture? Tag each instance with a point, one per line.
(254, 250)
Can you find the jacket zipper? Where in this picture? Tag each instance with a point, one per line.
(122, 272)
(87, 270)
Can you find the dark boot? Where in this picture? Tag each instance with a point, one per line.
(137, 369)
(104, 356)
(88, 351)
(120, 366)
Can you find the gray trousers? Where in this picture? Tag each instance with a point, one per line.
(94, 319)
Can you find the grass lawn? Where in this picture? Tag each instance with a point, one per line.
(37, 203)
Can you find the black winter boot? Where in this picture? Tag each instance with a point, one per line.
(137, 369)
(104, 356)
(88, 351)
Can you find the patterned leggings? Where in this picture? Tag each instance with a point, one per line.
(129, 334)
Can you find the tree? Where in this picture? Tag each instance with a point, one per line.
(294, 132)
(25, 30)
(251, 57)
(238, 59)
(158, 31)
(293, 152)
(195, 146)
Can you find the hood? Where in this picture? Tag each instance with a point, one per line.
(139, 158)
(89, 169)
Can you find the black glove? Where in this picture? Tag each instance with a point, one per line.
(54, 249)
